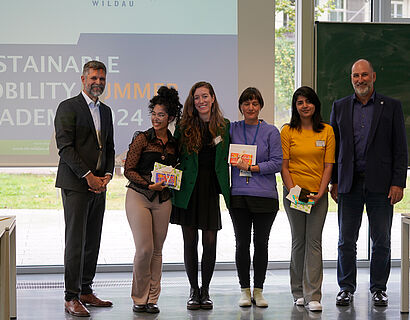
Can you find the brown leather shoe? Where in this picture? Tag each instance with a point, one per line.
(76, 308)
(94, 301)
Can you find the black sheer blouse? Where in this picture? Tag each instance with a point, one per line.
(144, 150)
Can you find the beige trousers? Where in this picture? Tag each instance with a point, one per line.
(149, 226)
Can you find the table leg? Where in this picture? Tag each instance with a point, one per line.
(404, 291)
(13, 282)
(4, 278)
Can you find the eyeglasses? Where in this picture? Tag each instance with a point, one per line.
(159, 115)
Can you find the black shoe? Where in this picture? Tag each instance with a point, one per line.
(152, 308)
(380, 298)
(139, 308)
(344, 298)
(194, 301)
(206, 302)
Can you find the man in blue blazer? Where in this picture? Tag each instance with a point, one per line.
(371, 169)
(84, 136)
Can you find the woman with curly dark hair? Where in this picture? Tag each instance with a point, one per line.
(147, 204)
(203, 137)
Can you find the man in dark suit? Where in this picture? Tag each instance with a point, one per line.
(84, 136)
(371, 169)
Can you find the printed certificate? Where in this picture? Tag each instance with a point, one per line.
(242, 151)
(168, 175)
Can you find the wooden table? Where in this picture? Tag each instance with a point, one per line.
(8, 267)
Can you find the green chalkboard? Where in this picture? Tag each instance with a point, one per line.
(386, 46)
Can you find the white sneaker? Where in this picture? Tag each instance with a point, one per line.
(300, 302)
(245, 300)
(259, 298)
(314, 306)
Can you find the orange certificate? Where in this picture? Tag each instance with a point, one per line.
(242, 151)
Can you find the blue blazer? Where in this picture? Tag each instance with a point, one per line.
(386, 150)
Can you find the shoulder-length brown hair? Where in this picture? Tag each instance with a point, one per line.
(310, 94)
(191, 123)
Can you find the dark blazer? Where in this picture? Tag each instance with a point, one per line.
(386, 151)
(78, 145)
(189, 167)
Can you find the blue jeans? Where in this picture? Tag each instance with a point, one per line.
(380, 215)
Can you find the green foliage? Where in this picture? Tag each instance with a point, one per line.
(284, 78)
(287, 8)
(285, 56)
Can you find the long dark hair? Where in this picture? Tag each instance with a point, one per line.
(317, 121)
(191, 123)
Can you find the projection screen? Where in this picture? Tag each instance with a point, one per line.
(144, 44)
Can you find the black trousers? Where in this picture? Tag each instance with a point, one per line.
(83, 215)
(243, 220)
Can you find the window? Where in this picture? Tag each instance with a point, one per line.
(338, 13)
(392, 11)
(284, 59)
(397, 9)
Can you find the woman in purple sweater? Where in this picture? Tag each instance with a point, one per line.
(254, 199)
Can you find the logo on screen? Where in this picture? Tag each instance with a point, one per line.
(113, 3)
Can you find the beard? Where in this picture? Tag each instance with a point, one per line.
(95, 90)
(362, 90)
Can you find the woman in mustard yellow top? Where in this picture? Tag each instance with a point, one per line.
(308, 146)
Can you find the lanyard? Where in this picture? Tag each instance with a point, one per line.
(256, 133)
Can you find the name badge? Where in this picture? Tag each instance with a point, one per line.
(217, 140)
(320, 143)
(243, 173)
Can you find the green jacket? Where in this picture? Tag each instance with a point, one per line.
(189, 166)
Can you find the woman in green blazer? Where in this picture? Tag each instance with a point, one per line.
(203, 136)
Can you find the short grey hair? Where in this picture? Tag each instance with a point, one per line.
(93, 64)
